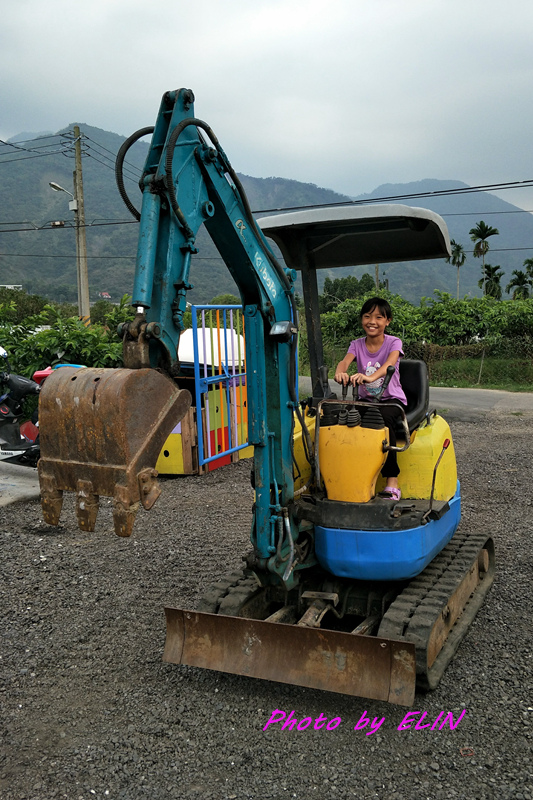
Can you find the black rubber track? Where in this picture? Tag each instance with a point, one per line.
(413, 614)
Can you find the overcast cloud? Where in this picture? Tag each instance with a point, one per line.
(347, 94)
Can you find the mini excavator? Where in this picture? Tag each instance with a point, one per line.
(342, 590)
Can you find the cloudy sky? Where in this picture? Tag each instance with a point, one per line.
(346, 94)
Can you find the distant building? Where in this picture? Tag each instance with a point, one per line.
(104, 295)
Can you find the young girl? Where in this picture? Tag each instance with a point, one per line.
(373, 354)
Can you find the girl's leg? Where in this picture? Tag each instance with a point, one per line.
(390, 469)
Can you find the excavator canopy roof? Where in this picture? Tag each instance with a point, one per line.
(351, 235)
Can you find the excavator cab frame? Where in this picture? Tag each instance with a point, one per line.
(350, 236)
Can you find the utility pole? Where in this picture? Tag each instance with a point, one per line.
(84, 309)
(377, 277)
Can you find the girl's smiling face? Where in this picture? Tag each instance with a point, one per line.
(375, 323)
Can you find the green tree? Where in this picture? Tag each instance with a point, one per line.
(111, 314)
(457, 259)
(340, 289)
(49, 339)
(450, 321)
(17, 305)
(99, 311)
(528, 264)
(490, 281)
(519, 286)
(225, 300)
(479, 235)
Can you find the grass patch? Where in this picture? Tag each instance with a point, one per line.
(464, 373)
(492, 373)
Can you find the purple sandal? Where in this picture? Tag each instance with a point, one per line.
(391, 493)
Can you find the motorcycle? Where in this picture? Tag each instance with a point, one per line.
(15, 446)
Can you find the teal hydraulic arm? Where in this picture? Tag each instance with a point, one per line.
(188, 181)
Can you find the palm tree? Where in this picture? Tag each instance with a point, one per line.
(490, 281)
(457, 258)
(520, 284)
(528, 264)
(479, 236)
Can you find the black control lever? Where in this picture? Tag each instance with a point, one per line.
(388, 376)
(323, 377)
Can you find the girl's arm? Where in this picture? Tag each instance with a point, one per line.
(379, 373)
(341, 374)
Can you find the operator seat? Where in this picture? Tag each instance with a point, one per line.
(415, 383)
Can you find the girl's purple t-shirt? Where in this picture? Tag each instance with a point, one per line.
(367, 363)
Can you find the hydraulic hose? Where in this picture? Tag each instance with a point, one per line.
(174, 136)
(119, 164)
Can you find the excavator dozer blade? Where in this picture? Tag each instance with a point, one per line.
(101, 431)
(364, 666)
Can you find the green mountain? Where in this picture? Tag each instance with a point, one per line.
(40, 255)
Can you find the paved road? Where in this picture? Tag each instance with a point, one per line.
(21, 483)
(17, 483)
(481, 399)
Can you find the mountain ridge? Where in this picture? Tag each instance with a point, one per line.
(42, 257)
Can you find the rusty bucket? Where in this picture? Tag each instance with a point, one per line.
(101, 431)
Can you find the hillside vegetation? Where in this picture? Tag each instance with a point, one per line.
(41, 257)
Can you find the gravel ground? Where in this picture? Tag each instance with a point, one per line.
(88, 709)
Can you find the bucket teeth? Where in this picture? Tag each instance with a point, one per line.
(149, 488)
(124, 511)
(51, 498)
(124, 518)
(87, 506)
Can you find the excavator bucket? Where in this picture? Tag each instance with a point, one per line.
(101, 431)
(364, 666)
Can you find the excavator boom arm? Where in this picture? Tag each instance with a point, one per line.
(188, 181)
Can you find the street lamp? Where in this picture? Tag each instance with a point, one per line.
(84, 309)
(73, 205)
(76, 205)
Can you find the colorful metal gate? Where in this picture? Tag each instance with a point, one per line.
(220, 382)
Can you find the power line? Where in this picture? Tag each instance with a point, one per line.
(38, 138)
(28, 157)
(485, 213)
(68, 223)
(516, 184)
(35, 227)
(35, 151)
(105, 223)
(439, 193)
(72, 256)
(134, 178)
(327, 205)
(503, 249)
(129, 163)
(198, 257)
